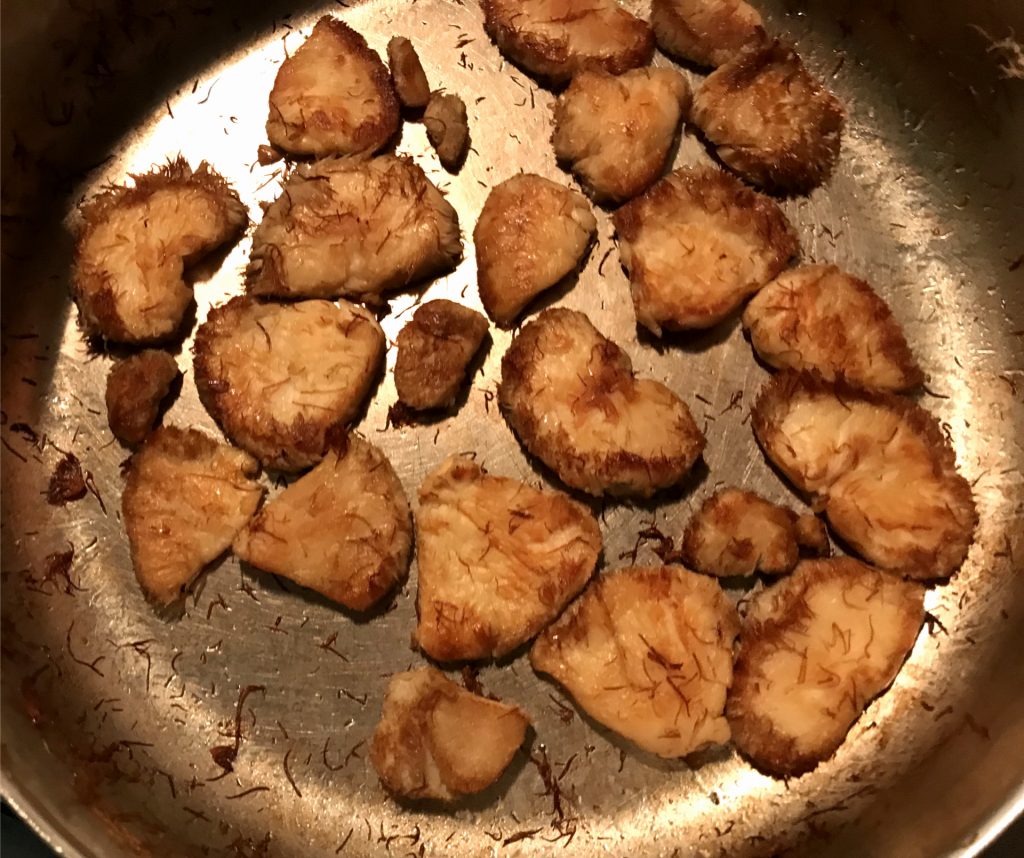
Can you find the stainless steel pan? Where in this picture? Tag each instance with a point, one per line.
(110, 711)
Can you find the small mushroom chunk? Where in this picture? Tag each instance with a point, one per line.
(447, 128)
(344, 529)
(280, 379)
(333, 96)
(436, 740)
(186, 498)
(616, 131)
(136, 243)
(434, 352)
(136, 388)
(648, 653)
(770, 120)
(706, 32)
(531, 233)
(555, 39)
(739, 533)
(498, 560)
(820, 318)
(878, 465)
(407, 73)
(572, 398)
(815, 649)
(696, 245)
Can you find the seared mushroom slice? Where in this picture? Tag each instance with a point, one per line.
(136, 242)
(814, 650)
(696, 245)
(407, 73)
(531, 233)
(818, 317)
(279, 378)
(771, 120)
(434, 352)
(333, 96)
(738, 533)
(136, 389)
(344, 227)
(648, 653)
(185, 499)
(879, 466)
(447, 128)
(571, 397)
(498, 560)
(437, 740)
(615, 131)
(706, 32)
(555, 39)
(344, 529)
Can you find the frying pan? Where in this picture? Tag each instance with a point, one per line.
(110, 709)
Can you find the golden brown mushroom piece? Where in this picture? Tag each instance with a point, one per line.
(738, 533)
(572, 398)
(344, 529)
(531, 233)
(360, 229)
(447, 129)
(770, 120)
(815, 649)
(333, 96)
(648, 653)
(498, 560)
(136, 243)
(407, 72)
(185, 499)
(281, 378)
(706, 32)
(136, 388)
(434, 352)
(436, 740)
(820, 318)
(696, 245)
(615, 132)
(555, 39)
(877, 464)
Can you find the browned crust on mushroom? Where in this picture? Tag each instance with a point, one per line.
(91, 284)
(344, 529)
(613, 471)
(796, 144)
(781, 610)
(331, 133)
(498, 560)
(616, 131)
(447, 128)
(959, 513)
(817, 317)
(706, 32)
(531, 233)
(627, 42)
(707, 200)
(647, 651)
(185, 499)
(737, 532)
(136, 387)
(437, 740)
(286, 446)
(434, 351)
(407, 72)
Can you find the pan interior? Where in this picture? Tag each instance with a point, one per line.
(110, 710)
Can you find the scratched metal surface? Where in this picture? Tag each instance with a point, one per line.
(109, 711)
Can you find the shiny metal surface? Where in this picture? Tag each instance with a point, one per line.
(110, 711)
